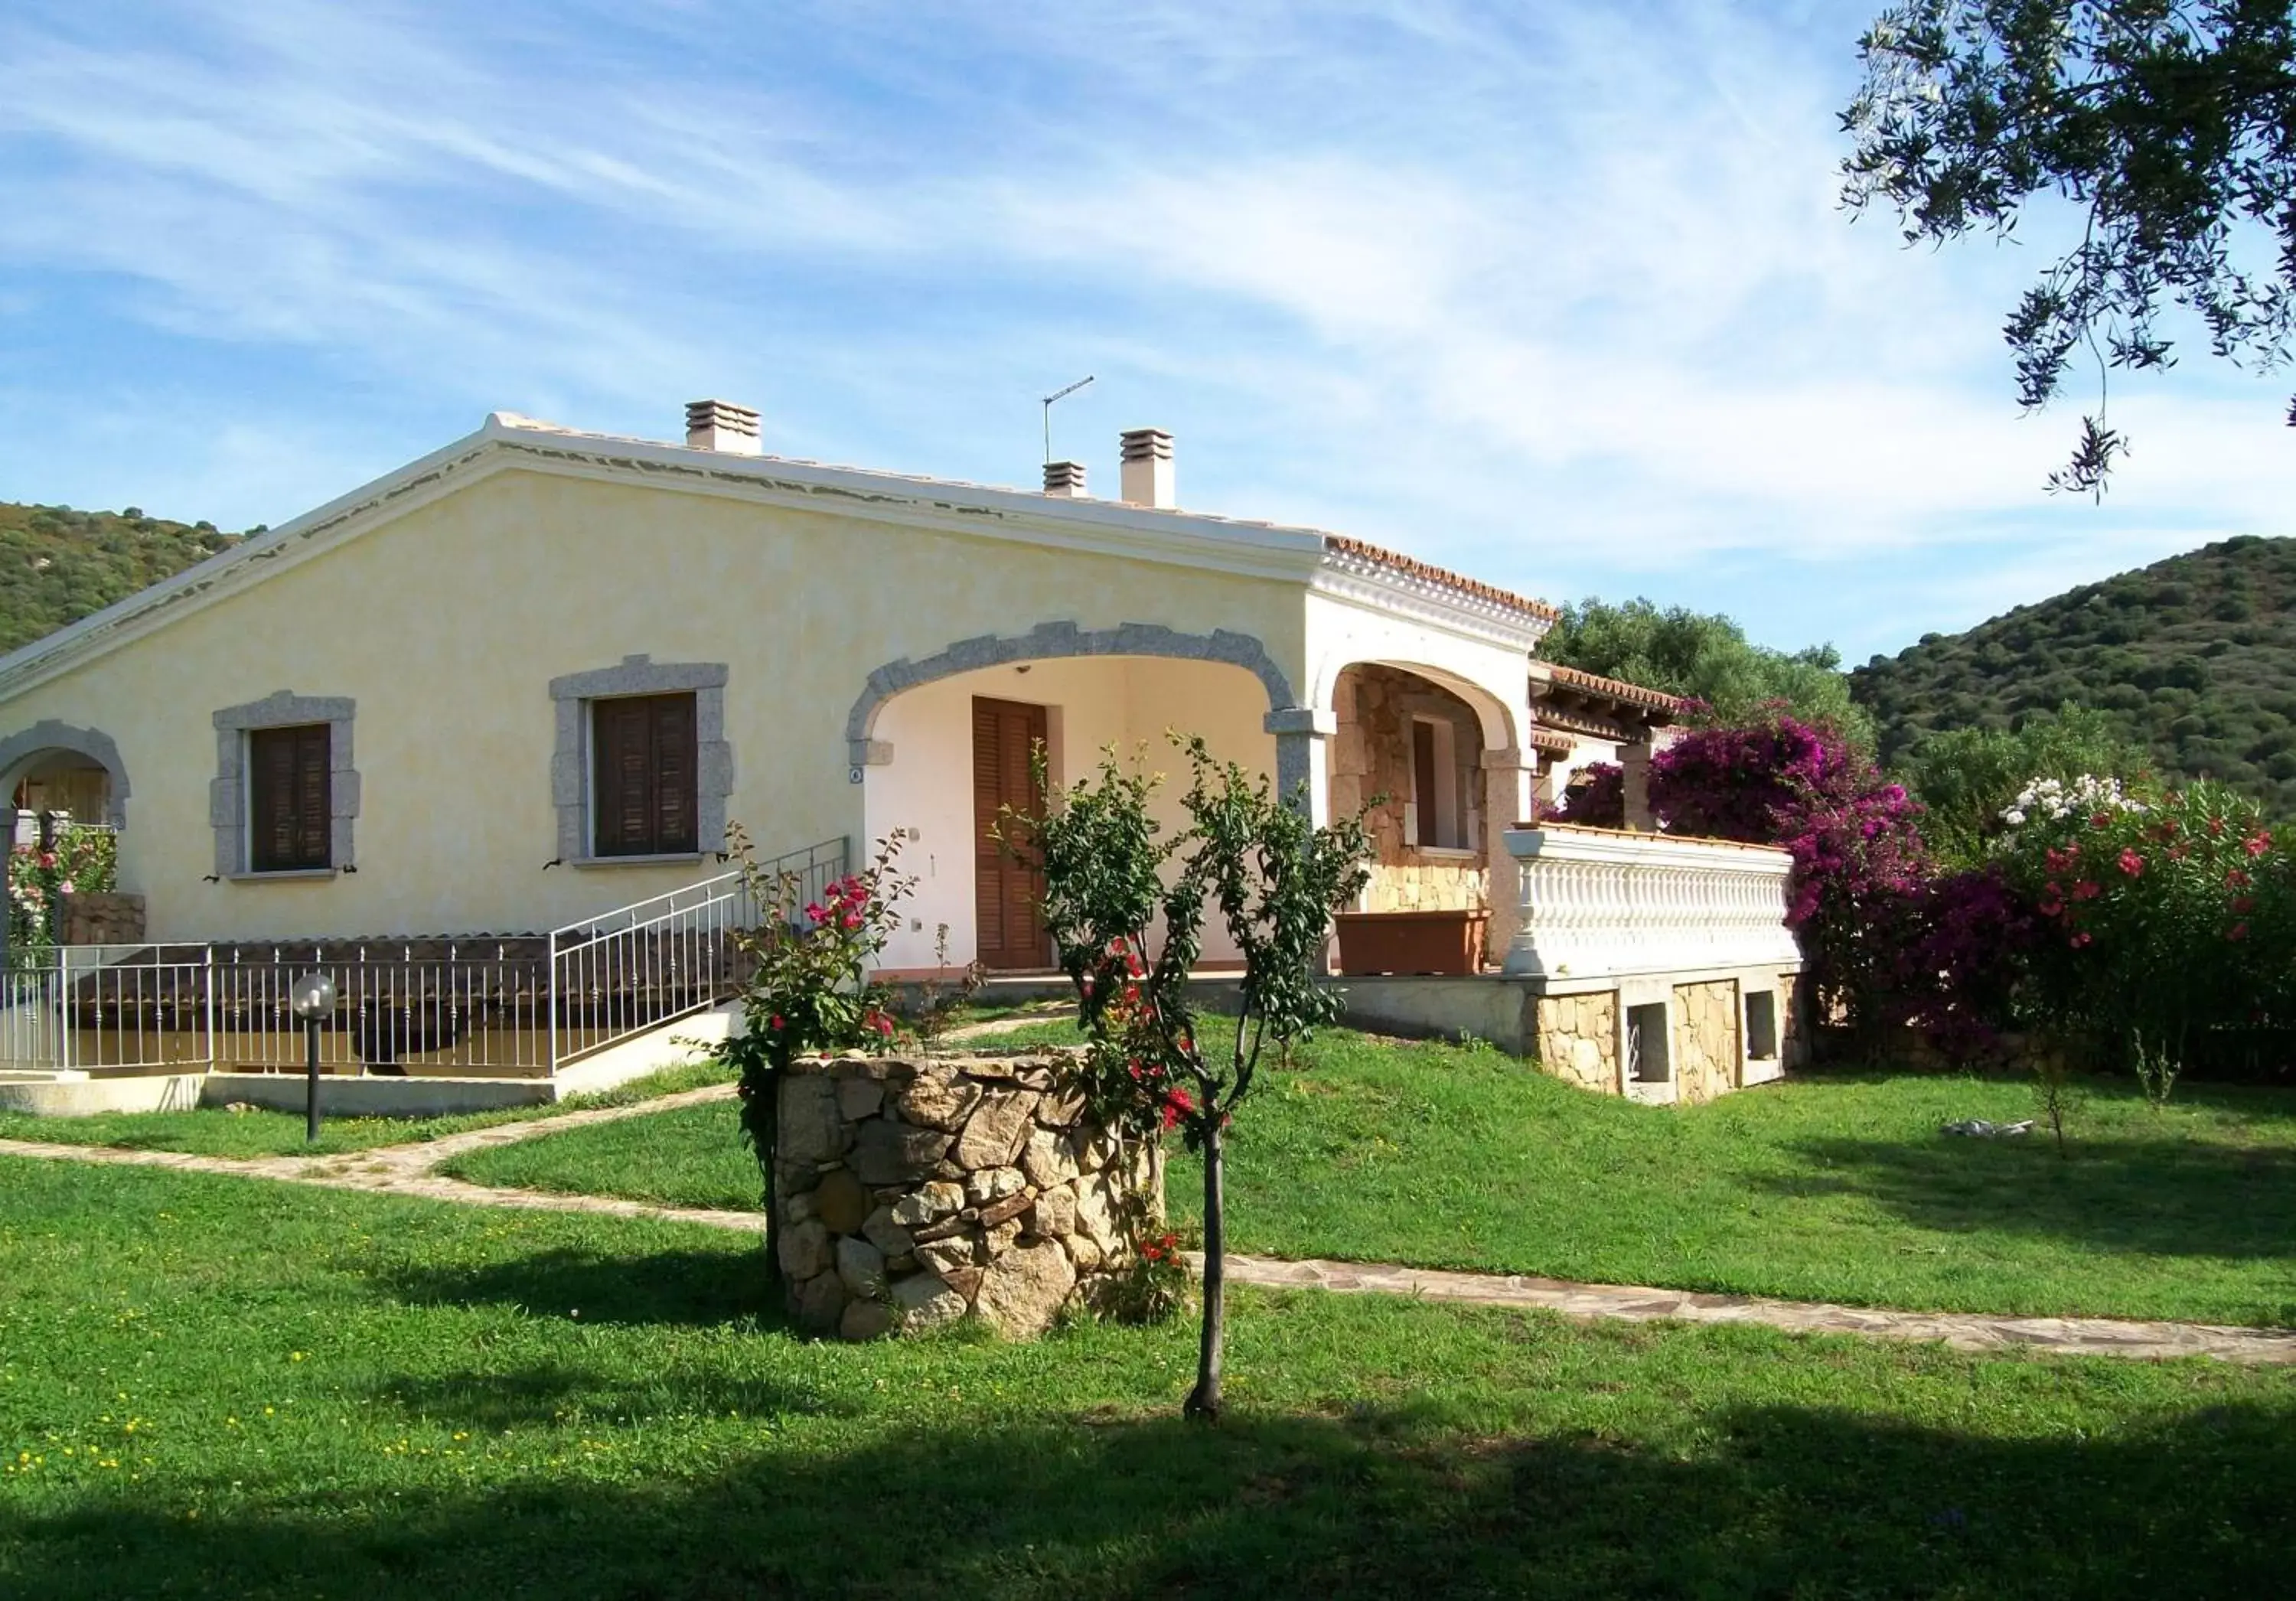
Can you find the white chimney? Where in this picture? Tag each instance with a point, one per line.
(1065, 479)
(722, 426)
(1148, 468)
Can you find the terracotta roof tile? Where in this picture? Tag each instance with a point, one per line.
(1617, 689)
(1410, 567)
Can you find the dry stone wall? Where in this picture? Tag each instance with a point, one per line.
(914, 1190)
(1579, 1039)
(1705, 1046)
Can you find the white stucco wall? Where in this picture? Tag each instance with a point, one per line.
(447, 622)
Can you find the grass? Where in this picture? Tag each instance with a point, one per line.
(215, 1386)
(1832, 1187)
(212, 1131)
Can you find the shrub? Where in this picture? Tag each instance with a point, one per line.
(80, 860)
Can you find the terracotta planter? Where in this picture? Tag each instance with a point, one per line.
(1444, 943)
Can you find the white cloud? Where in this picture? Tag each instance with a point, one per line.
(1559, 293)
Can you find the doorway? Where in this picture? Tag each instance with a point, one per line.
(1008, 890)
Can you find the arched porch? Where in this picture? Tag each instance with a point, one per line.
(939, 746)
(53, 769)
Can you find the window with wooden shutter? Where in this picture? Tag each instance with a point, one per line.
(643, 777)
(291, 829)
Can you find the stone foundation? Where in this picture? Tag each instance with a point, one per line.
(104, 919)
(1422, 886)
(1579, 1039)
(1705, 1047)
(913, 1190)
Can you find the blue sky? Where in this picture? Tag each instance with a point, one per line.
(1555, 294)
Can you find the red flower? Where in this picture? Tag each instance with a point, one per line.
(2050, 905)
(2258, 843)
(777, 1020)
(2238, 930)
(852, 921)
(2087, 890)
(2131, 863)
(2103, 819)
(2080, 938)
(2236, 879)
(2062, 861)
(1176, 1105)
(880, 1021)
(2243, 905)
(815, 913)
(2215, 828)
(2177, 853)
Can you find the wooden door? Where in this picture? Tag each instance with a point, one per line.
(1008, 892)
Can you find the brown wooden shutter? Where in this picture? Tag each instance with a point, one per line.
(291, 826)
(1422, 783)
(643, 793)
(676, 823)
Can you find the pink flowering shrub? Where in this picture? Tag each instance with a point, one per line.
(79, 861)
(1861, 873)
(1596, 797)
(2164, 915)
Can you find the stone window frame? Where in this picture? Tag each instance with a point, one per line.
(228, 794)
(571, 695)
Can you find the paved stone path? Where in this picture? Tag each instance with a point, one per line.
(408, 1169)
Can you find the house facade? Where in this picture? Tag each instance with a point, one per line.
(537, 674)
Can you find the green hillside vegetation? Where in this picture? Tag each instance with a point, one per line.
(2192, 660)
(57, 565)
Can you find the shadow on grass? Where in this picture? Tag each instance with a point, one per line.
(1774, 1501)
(2165, 1197)
(549, 1396)
(701, 1288)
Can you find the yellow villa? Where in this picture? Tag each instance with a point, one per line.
(516, 690)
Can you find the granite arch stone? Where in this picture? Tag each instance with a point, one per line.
(1050, 641)
(50, 734)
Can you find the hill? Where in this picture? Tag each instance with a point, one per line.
(2192, 659)
(57, 565)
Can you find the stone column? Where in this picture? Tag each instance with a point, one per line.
(1634, 774)
(1506, 801)
(1303, 757)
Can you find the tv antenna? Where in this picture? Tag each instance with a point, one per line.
(1058, 395)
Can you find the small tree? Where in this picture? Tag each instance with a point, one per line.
(1126, 904)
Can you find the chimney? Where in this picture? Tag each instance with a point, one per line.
(722, 426)
(1065, 479)
(1148, 468)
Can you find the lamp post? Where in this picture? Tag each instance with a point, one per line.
(312, 998)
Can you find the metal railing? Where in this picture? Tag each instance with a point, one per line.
(492, 1007)
(659, 959)
(467, 1007)
(81, 1008)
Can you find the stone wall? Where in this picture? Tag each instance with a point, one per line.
(1425, 886)
(105, 919)
(913, 1190)
(1579, 1039)
(1705, 1045)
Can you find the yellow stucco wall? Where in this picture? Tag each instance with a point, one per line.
(446, 623)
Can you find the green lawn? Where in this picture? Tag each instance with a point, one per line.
(1834, 1188)
(212, 1131)
(212, 1386)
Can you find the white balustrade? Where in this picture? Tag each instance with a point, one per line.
(1598, 903)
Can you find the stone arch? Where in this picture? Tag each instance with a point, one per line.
(19, 750)
(1492, 712)
(1047, 641)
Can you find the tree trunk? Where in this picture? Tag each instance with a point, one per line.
(1204, 1399)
